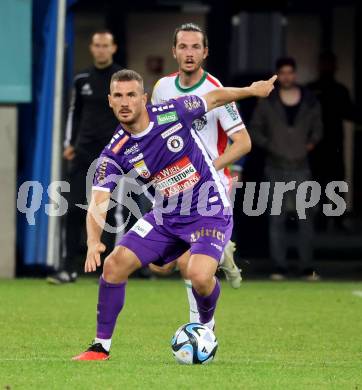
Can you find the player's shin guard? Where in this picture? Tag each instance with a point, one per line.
(194, 314)
(110, 303)
(207, 305)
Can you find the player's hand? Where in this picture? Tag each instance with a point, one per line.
(94, 256)
(69, 153)
(263, 88)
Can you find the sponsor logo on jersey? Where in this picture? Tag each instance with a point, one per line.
(171, 130)
(120, 143)
(204, 232)
(162, 108)
(232, 111)
(133, 149)
(142, 169)
(177, 177)
(86, 89)
(191, 103)
(199, 123)
(137, 158)
(167, 117)
(175, 143)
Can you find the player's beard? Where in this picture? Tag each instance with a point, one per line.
(196, 67)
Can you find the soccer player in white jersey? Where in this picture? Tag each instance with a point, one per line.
(190, 49)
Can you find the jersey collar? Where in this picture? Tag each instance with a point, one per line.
(187, 90)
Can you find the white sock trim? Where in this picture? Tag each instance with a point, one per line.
(106, 343)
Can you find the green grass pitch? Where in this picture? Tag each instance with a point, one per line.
(290, 335)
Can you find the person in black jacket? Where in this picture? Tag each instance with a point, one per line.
(89, 128)
(288, 126)
(337, 106)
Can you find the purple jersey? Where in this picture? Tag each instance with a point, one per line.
(168, 154)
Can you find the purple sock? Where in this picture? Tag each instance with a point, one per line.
(207, 305)
(110, 303)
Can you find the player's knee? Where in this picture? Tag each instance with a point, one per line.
(117, 267)
(200, 281)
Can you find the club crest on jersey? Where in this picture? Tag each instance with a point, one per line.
(141, 169)
(175, 143)
(200, 123)
(171, 130)
(192, 104)
(167, 117)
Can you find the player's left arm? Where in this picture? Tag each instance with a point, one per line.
(240, 147)
(221, 96)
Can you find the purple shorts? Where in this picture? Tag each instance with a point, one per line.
(164, 243)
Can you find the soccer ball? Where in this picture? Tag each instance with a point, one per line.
(194, 343)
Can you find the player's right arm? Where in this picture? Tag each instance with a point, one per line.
(221, 96)
(106, 177)
(96, 217)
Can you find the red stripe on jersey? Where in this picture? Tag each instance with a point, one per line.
(222, 141)
(213, 81)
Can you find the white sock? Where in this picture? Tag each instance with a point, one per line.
(194, 313)
(106, 343)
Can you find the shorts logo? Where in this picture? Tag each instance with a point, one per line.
(132, 149)
(142, 169)
(203, 232)
(142, 228)
(137, 158)
(118, 146)
(175, 143)
(232, 111)
(176, 178)
(218, 247)
(192, 103)
(200, 123)
(171, 130)
(167, 117)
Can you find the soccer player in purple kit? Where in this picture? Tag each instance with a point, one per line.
(158, 142)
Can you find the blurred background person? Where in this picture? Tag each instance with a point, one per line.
(288, 125)
(90, 126)
(337, 106)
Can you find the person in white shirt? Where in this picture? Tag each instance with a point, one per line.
(190, 49)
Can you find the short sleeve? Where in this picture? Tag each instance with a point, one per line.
(230, 118)
(108, 172)
(191, 107)
(155, 98)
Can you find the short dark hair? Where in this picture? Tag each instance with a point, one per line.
(127, 75)
(190, 27)
(285, 61)
(103, 31)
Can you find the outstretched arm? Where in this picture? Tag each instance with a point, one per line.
(222, 96)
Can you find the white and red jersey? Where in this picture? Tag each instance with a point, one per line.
(215, 126)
